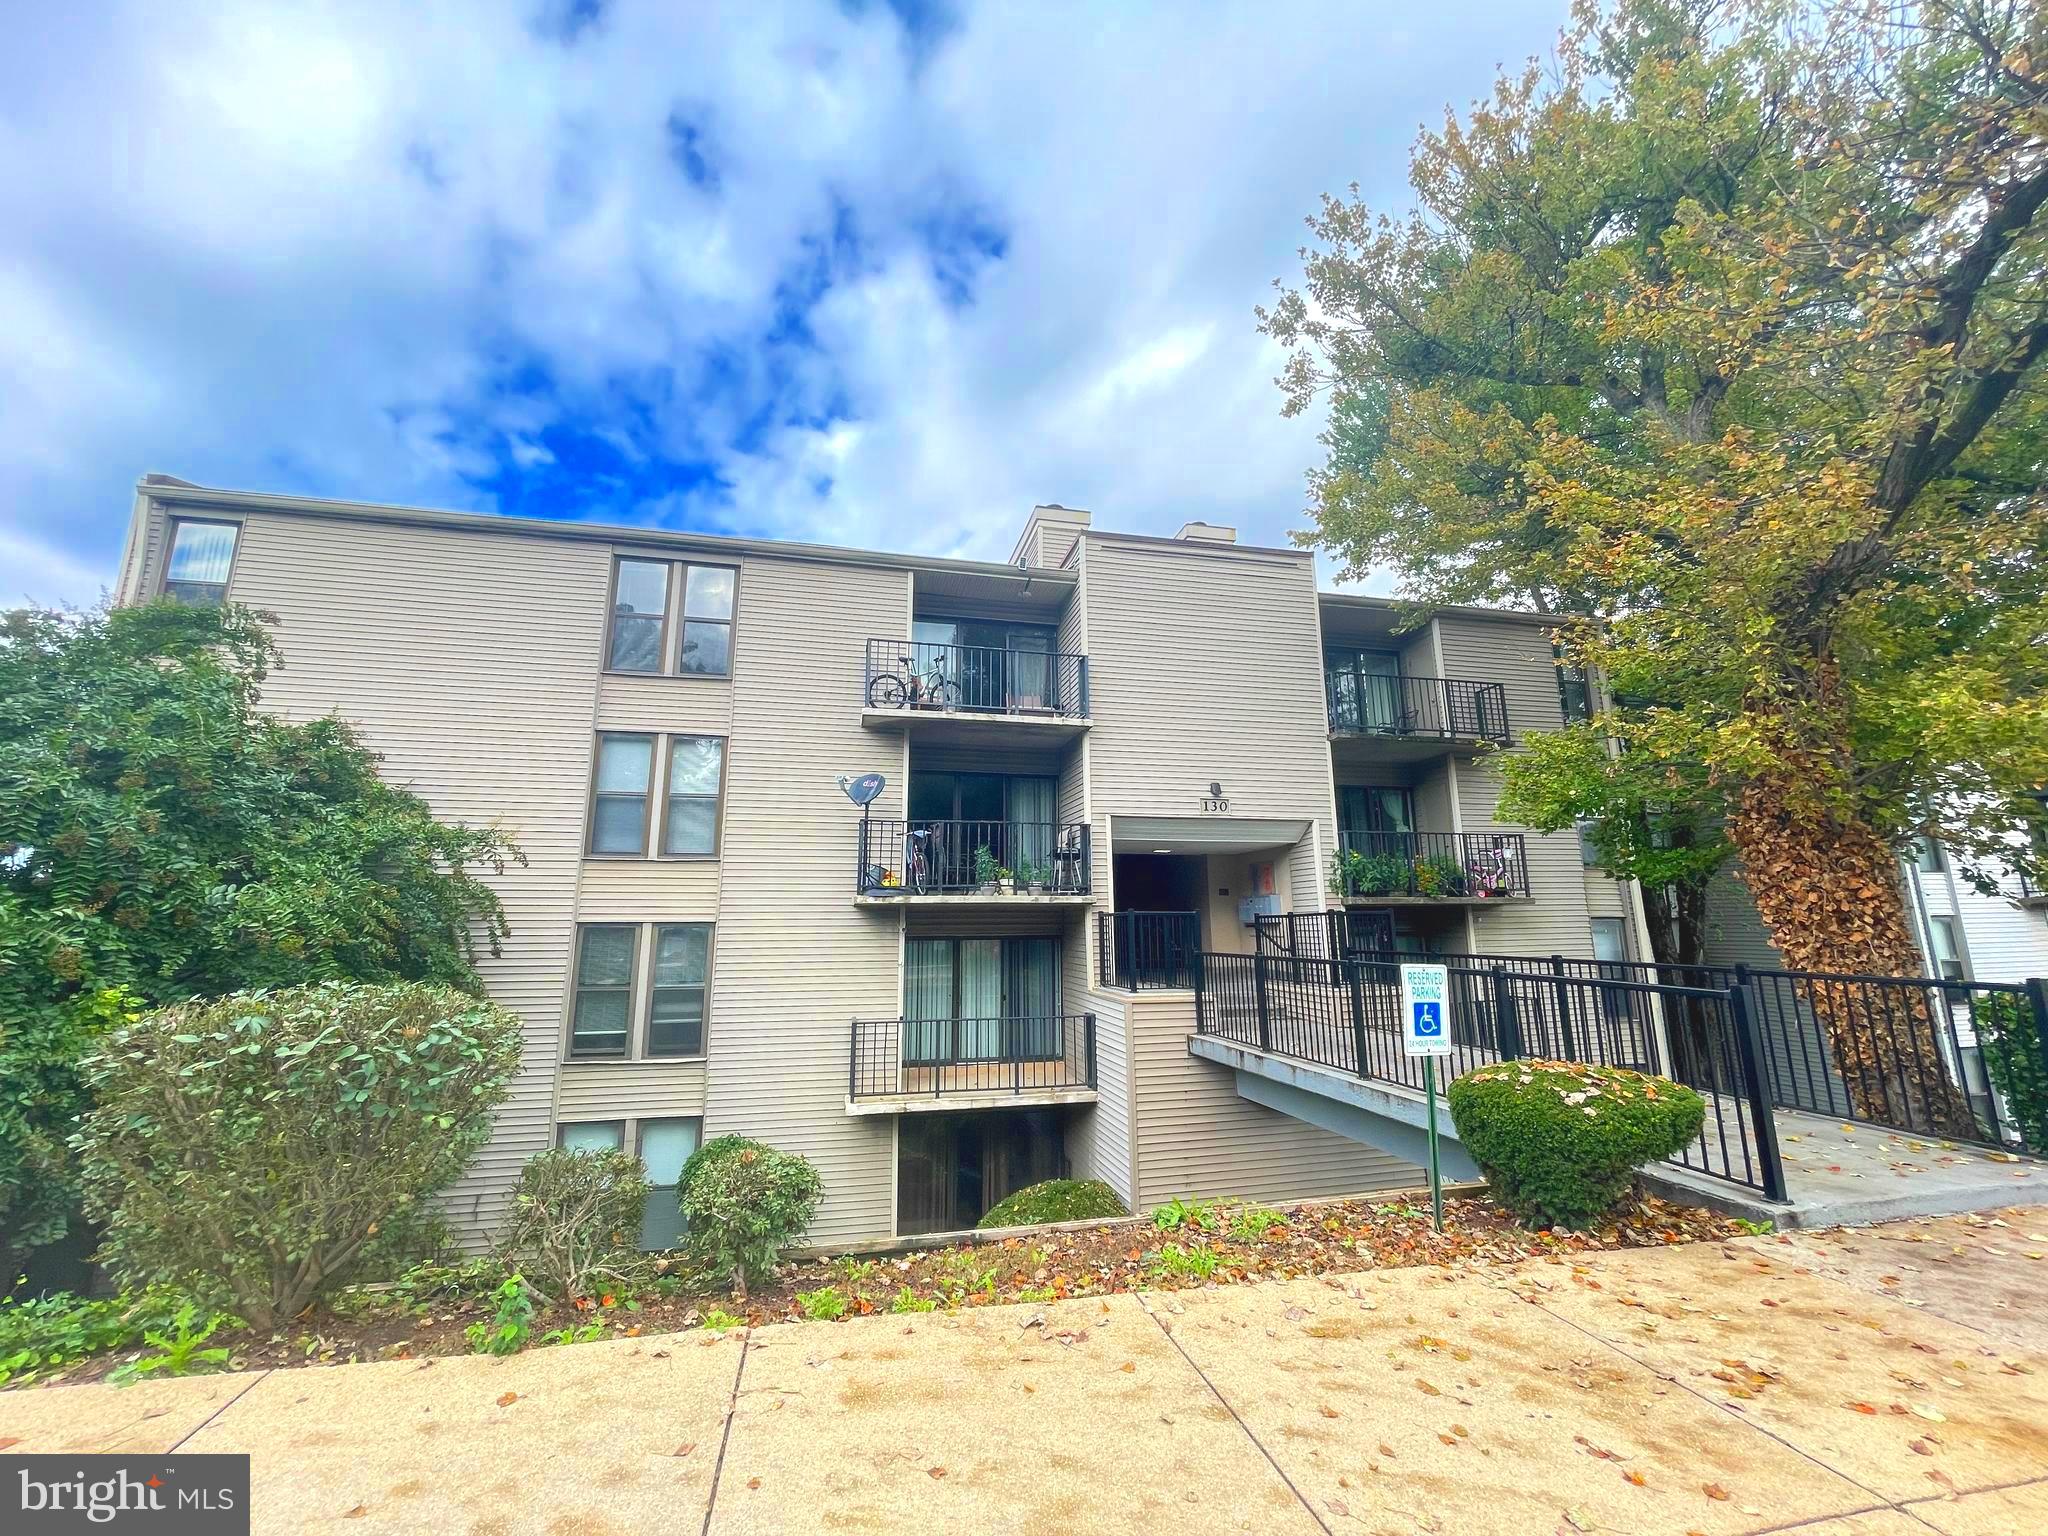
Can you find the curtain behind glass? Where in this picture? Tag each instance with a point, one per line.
(1032, 984)
(981, 999)
(927, 998)
(1031, 829)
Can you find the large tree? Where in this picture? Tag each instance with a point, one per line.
(162, 838)
(1719, 337)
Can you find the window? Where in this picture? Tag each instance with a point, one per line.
(618, 817)
(707, 621)
(593, 1136)
(1928, 856)
(682, 972)
(696, 771)
(1364, 689)
(1574, 696)
(1588, 854)
(201, 554)
(1948, 949)
(981, 1000)
(641, 990)
(653, 600)
(665, 1145)
(602, 1015)
(1610, 940)
(639, 611)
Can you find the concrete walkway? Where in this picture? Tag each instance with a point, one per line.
(1878, 1383)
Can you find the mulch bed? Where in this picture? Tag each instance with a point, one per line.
(1317, 1238)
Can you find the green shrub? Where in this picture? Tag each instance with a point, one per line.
(1253, 1222)
(824, 1305)
(511, 1321)
(2013, 1050)
(907, 1300)
(574, 1226)
(254, 1147)
(1559, 1142)
(1054, 1200)
(1178, 1213)
(742, 1204)
(39, 1334)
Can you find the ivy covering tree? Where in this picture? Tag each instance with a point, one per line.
(1719, 337)
(161, 838)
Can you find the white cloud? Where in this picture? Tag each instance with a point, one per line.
(376, 250)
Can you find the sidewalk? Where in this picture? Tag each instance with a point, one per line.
(1875, 1382)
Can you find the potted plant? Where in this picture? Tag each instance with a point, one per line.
(988, 869)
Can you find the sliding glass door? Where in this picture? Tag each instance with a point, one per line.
(1365, 690)
(981, 1000)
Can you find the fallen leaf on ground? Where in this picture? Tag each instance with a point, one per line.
(685, 1448)
(1715, 1491)
(935, 1471)
(508, 1399)
(357, 1513)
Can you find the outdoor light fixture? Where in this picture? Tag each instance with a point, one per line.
(1215, 790)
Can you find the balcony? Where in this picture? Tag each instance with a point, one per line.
(1391, 719)
(1384, 869)
(903, 1066)
(974, 695)
(1148, 951)
(968, 863)
(2025, 891)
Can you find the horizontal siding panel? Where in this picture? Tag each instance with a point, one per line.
(617, 1090)
(649, 890)
(698, 706)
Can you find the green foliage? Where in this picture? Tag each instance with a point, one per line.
(1753, 1228)
(511, 1321)
(718, 1320)
(182, 1349)
(1178, 1214)
(824, 1305)
(161, 837)
(907, 1300)
(574, 1225)
(2013, 1052)
(1197, 1262)
(1356, 873)
(743, 1202)
(39, 1334)
(1253, 1222)
(1559, 1142)
(256, 1146)
(1054, 1200)
(589, 1333)
(1720, 338)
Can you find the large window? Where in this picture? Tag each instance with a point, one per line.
(1948, 948)
(981, 1000)
(622, 788)
(1928, 856)
(665, 1145)
(202, 553)
(593, 1136)
(1574, 693)
(654, 599)
(641, 990)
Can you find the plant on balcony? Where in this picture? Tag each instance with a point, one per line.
(1560, 1142)
(1353, 873)
(1439, 875)
(743, 1203)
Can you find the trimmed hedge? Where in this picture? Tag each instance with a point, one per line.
(1054, 1200)
(743, 1202)
(1560, 1142)
(575, 1221)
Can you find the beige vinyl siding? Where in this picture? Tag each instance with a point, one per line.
(653, 890)
(1099, 1137)
(483, 707)
(1198, 1139)
(796, 962)
(1605, 896)
(688, 706)
(613, 1090)
(1517, 656)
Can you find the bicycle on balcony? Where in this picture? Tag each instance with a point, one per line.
(913, 688)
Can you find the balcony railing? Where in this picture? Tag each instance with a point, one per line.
(915, 675)
(937, 1058)
(1436, 866)
(919, 858)
(1140, 951)
(1453, 708)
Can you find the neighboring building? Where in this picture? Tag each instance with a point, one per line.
(1099, 757)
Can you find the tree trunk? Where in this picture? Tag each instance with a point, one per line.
(1827, 889)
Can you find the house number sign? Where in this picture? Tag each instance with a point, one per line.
(1215, 803)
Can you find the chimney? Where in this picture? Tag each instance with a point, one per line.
(1049, 535)
(1207, 533)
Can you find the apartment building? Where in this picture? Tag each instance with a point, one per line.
(1095, 761)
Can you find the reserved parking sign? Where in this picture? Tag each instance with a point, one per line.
(1426, 1010)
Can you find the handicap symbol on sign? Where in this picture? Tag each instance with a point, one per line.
(1429, 1021)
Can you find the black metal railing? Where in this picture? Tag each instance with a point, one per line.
(1144, 951)
(2025, 889)
(1928, 1055)
(905, 858)
(934, 1058)
(1443, 866)
(981, 679)
(1345, 1015)
(1454, 708)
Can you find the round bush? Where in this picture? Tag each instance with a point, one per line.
(575, 1221)
(743, 1202)
(1054, 1200)
(252, 1147)
(1559, 1141)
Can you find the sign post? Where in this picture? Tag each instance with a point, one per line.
(1426, 1032)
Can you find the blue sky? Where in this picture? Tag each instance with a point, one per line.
(869, 273)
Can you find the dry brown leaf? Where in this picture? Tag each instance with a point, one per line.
(357, 1513)
(1860, 1407)
(1426, 1389)
(753, 1482)
(1633, 1476)
(508, 1399)
(7, 1440)
(1919, 1447)
(1715, 1491)
(1386, 1449)
(684, 1449)
(1328, 1412)
(1128, 1365)
(935, 1472)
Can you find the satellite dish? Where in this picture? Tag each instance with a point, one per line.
(863, 789)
